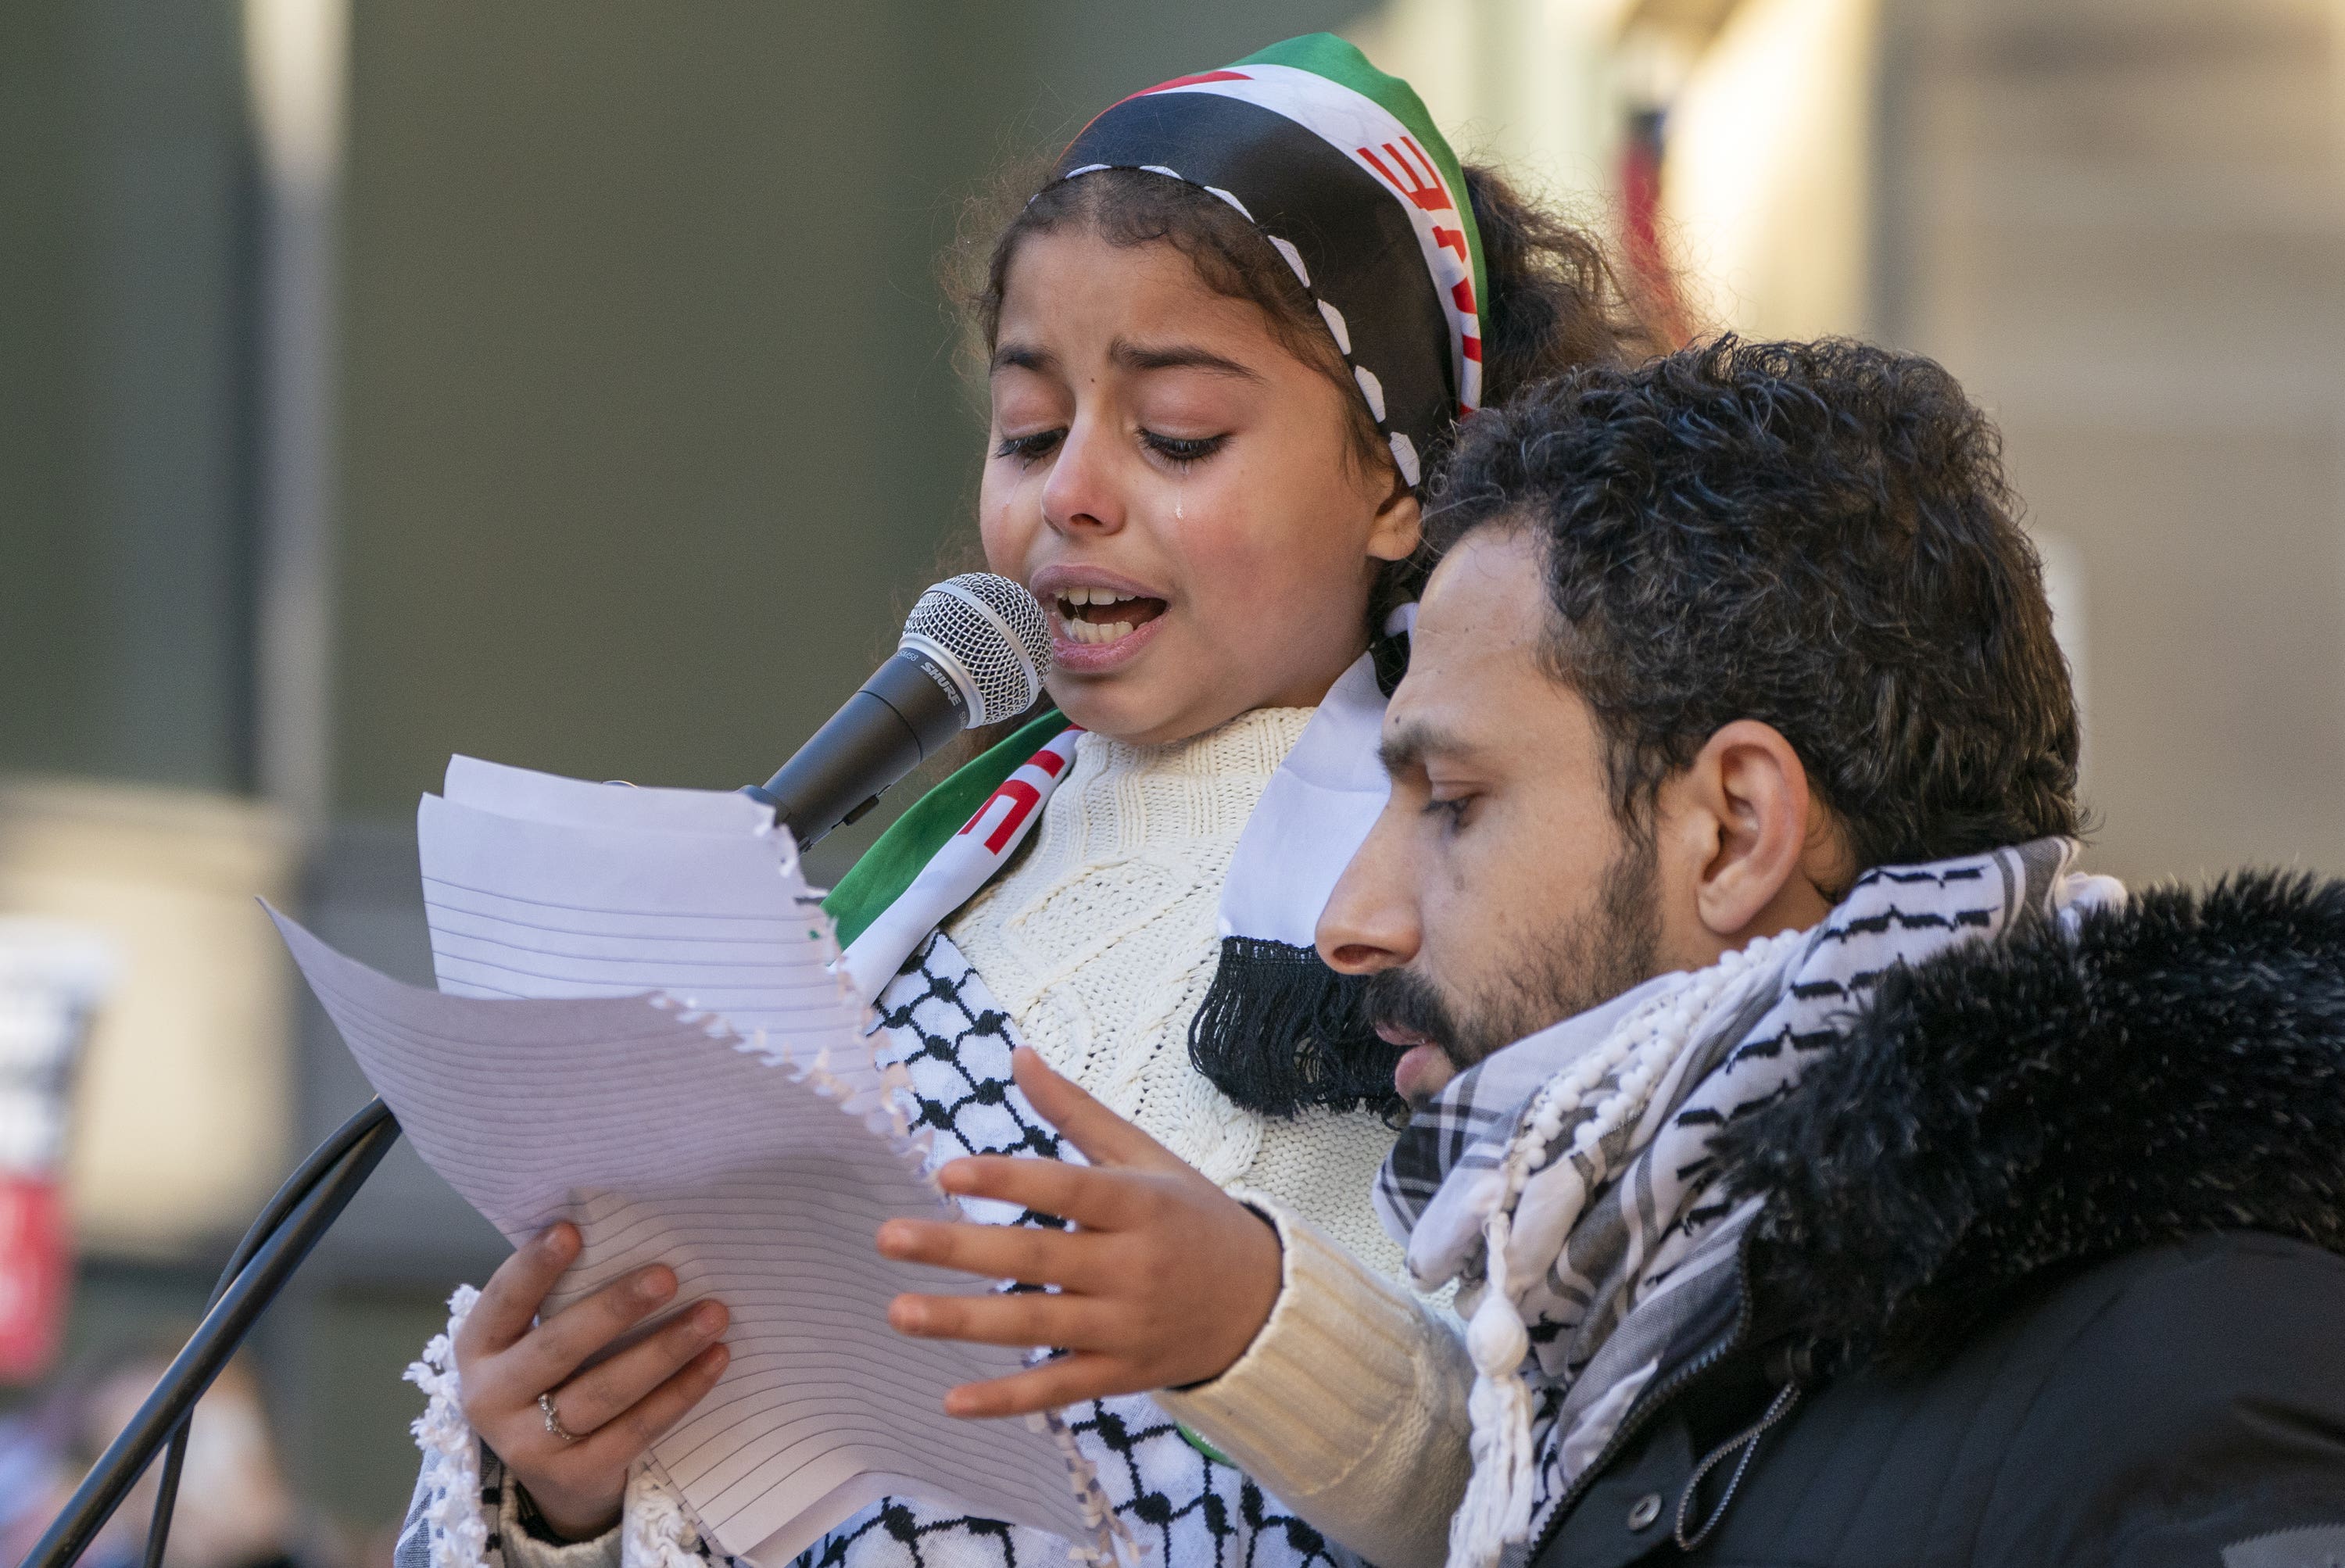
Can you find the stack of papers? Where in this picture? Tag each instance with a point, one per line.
(637, 1029)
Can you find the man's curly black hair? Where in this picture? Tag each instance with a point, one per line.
(1816, 536)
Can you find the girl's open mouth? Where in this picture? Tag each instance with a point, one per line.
(1097, 617)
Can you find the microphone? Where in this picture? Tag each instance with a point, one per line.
(974, 651)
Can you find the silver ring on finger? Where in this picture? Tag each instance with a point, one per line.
(552, 1419)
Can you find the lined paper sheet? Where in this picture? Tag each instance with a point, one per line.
(539, 886)
(667, 1140)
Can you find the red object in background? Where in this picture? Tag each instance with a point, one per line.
(36, 1276)
(52, 974)
(1640, 227)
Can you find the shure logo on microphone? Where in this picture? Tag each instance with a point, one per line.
(944, 682)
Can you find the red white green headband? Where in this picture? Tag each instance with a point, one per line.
(1341, 169)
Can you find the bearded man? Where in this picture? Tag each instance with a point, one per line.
(1830, 1173)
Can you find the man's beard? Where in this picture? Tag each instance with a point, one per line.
(1609, 947)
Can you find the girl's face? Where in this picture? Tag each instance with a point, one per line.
(1178, 491)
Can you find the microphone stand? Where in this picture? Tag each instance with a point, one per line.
(279, 1242)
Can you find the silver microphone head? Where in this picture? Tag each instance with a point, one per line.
(990, 637)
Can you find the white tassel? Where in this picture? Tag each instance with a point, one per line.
(1499, 1496)
(1497, 1510)
(656, 1530)
(454, 1528)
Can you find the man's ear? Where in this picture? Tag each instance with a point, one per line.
(1399, 526)
(1745, 808)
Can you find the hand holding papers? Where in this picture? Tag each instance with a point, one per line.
(732, 1127)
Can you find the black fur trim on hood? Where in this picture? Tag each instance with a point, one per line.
(2007, 1111)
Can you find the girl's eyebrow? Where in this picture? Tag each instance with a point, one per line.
(1025, 358)
(1177, 357)
(1131, 357)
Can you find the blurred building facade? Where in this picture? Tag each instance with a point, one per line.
(2122, 224)
(575, 386)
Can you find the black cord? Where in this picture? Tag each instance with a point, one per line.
(296, 1187)
(309, 1203)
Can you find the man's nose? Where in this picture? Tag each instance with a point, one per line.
(1370, 921)
(1081, 495)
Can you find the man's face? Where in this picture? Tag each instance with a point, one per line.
(1498, 893)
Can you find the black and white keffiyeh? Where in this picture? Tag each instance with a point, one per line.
(1567, 1181)
(1184, 1507)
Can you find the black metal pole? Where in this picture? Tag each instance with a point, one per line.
(224, 1328)
(295, 1187)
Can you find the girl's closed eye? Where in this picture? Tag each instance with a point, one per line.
(1031, 448)
(1182, 450)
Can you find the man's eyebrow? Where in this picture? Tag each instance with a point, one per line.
(1039, 360)
(1177, 357)
(1406, 748)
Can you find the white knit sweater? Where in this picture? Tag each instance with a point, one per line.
(1100, 943)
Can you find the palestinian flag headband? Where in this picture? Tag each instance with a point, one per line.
(1340, 168)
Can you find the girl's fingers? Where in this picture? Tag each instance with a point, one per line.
(1095, 1198)
(1105, 1138)
(549, 1353)
(601, 1394)
(1023, 1318)
(1023, 1253)
(1054, 1384)
(620, 1440)
(509, 1301)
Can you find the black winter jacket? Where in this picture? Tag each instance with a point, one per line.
(2052, 1270)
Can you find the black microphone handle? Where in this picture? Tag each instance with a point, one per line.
(906, 711)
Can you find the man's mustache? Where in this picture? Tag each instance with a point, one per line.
(1404, 1000)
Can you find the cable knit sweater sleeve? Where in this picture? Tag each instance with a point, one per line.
(1349, 1406)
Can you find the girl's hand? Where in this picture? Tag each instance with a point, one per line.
(504, 1360)
(1166, 1283)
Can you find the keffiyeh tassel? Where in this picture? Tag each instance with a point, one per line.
(1496, 1509)
(1500, 1496)
(456, 1531)
(656, 1532)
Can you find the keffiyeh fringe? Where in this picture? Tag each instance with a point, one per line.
(1497, 1510)
(456, 1526)
(1326, 1053)
(656, 1530)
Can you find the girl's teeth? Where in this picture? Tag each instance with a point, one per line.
(1107, 632)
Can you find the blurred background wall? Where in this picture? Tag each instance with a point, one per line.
(572, 384)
